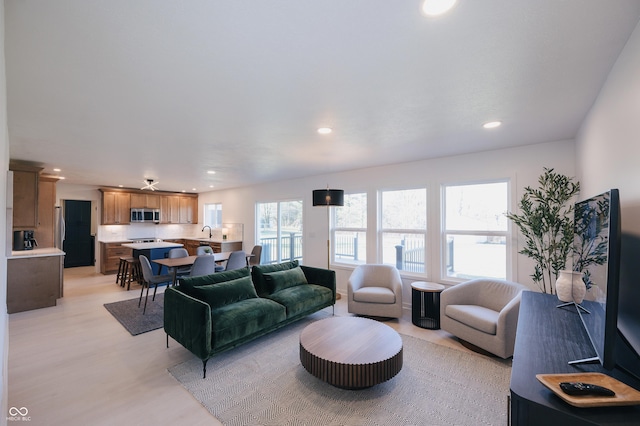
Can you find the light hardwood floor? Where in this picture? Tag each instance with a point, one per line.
(74, 364)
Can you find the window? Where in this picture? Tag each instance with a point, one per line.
(403, 231)
(350, 237)
(475, 230)
(279, 229)
(213, 215)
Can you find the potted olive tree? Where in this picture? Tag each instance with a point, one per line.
(546, 223)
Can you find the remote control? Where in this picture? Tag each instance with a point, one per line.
(580, 388)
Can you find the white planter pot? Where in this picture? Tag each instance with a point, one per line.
(570, 287)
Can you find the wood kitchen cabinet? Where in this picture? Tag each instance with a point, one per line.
(44, 233)
(145, 201)
(219, 247)
(174, 208)
(170, 209)
(34, 282)
(116, 208)
(110, 256)
(192, 246)
(188, 210)
(25, 196)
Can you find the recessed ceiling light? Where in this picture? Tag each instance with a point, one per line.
(211, 172)
(61, 177)
(210, 186)
(324, 130)
(120, 186)
(57, 170)
(437, 7)
(193, 189)
(492, 124)
(184, 190)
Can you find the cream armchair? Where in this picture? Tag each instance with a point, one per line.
(483, 312)
(375, 290)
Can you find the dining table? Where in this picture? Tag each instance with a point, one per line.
(178, 262)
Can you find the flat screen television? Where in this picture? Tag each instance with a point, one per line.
(597, 239)
(628, 348)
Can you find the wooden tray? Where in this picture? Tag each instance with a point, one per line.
(625, 395)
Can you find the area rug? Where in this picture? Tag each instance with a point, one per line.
(263, 383)
(131, 317)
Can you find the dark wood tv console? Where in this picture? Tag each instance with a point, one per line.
(546, 340)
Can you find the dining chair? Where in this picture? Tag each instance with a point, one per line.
(207, 250)
(150, 279)
(203, 265)
(175, 254)
(204, 250)
(256, 254)
(237, 260)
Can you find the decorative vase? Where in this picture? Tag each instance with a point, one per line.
(570, 287)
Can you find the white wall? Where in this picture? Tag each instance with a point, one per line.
(522, 165)
(4, 167)
(608, 144)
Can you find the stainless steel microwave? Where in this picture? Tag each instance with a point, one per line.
(145, 215)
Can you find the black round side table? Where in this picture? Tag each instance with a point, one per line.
(425, 304)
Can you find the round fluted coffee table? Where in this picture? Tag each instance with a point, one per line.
(351, 352)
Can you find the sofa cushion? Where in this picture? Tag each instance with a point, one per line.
(258, 272)
(187, 284)
(231, 323)
(478, 317)
(281, 280)
(302, 298)
(374, 295)
(226, 293)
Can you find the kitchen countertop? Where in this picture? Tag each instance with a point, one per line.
(37, 252)
(150, 246)
(213, 240)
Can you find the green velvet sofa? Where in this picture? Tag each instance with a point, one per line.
(214, 313)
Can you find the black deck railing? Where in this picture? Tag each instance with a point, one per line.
(290, 248)
(410, 255)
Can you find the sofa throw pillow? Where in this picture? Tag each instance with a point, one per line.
(225, 293)
(187, 284)
(258, 272)
(281, 280)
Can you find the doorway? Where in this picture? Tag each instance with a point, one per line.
(78, 243)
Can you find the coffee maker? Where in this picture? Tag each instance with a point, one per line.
(24, 240)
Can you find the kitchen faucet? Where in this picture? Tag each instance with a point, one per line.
(207, 226)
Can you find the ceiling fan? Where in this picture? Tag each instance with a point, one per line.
(150, 184)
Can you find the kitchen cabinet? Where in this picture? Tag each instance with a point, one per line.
(34, 279)
(25, 196)
(219, 247)
(174, 207)
(44, 233)
(116, 208)
(170, 209)
(192, 246)
(216, 246)
(188, 210)
(110, 254)
(145, 201)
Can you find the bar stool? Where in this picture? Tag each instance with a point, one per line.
(123, 269)
(134, 272)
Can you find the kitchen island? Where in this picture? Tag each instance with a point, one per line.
(155, 250)
(34, 279)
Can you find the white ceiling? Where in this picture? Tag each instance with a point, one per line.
(116, 91)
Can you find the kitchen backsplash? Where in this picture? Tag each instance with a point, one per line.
(134, 231)
(144, 230)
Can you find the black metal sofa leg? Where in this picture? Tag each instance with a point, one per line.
(204, 368)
